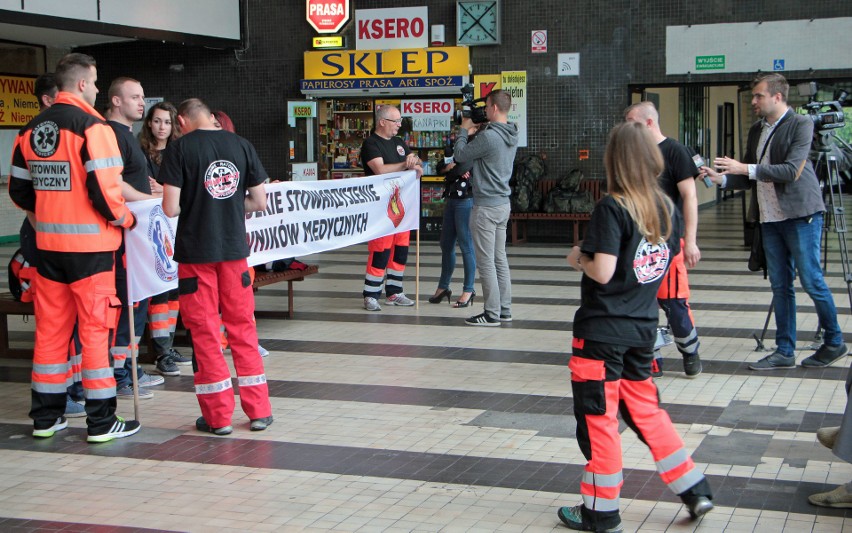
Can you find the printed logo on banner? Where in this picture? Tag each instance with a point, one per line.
(222, 179)
(396, 209)
(161, 237)
(45, 139)
(650, 261)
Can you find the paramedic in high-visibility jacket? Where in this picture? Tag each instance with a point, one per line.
(211, 178)
(66, 171)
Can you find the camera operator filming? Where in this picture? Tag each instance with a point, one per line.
(787, 197)
(492, 153)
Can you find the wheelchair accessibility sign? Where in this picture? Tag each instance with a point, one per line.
(777, 64)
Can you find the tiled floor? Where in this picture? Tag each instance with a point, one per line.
(409, 420)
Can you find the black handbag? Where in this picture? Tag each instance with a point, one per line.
(757, 257)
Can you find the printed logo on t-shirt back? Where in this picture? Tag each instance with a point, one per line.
(650, 261)
(400, 150)
(222, 179)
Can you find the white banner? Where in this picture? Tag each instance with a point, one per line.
(149, 247)
(301, 218)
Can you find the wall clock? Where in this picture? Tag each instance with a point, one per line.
(477, 22)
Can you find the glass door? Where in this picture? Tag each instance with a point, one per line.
(302, 140)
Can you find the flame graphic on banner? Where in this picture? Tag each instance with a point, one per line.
(396, 209)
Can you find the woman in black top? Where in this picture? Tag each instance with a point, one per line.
(158, 130)
(632, 237)
(456, 227)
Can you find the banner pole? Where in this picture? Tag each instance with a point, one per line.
(417, 272)
(134, 350)
(134, 346)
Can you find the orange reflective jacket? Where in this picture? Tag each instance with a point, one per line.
(66, 167)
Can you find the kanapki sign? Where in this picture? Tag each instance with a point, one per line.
(327, 16)
(301, 218)
(395, 28)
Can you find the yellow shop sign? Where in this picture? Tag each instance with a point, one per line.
(359, 64)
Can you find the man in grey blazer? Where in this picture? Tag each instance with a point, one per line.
(787, 197)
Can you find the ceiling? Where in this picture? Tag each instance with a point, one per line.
(54, 38)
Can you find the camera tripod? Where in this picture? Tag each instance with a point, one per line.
(825, 167)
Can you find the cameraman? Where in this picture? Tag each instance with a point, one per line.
(492, 153)
(787, 196)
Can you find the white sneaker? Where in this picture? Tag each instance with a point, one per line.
(371, 304)
(399, 299)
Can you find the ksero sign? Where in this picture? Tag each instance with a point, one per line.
(396, 28)
(327, 16)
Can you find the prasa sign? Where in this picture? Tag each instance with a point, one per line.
(327, 16)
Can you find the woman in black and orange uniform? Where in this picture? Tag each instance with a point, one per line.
(630, 242)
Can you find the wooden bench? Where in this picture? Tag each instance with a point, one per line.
(519, 220)
(262, 279)
(10, 306)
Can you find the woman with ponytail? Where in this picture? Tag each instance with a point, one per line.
(632, 236)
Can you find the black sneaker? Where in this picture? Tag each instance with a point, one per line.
(259, 424)
(120, 429)
(505, 317)
(774, 361)
(657, 367)
(692, 365)
(825, 355)
(166, 366)
(202, 425)
(573, 518)
(43, 433)
(179, 359)
(482, 320)
(699, 507)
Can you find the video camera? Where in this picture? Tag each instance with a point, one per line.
(823, 119)
(471, 107)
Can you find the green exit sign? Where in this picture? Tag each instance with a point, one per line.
(709, 62)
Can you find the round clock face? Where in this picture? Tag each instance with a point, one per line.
(478, 23)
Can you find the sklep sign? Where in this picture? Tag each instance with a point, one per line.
(327, 16)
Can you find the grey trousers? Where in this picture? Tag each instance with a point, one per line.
(488, 229)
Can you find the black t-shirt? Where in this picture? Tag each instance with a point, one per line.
(624, 311)
(679, 166)
(154, 167)
(214, 169)
(392, 150)
(135, 163)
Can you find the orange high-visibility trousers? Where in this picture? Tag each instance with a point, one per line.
(93, 303)
(388, 256)
(673, 297)
(225, 286)
(162, 321)
(606, 379)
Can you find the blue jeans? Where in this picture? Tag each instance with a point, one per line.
(790, 246)
(457, 228)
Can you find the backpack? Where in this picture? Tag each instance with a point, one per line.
(526, 196)
(567, 197)
(21, 276)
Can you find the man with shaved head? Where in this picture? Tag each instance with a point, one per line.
(211, 177)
